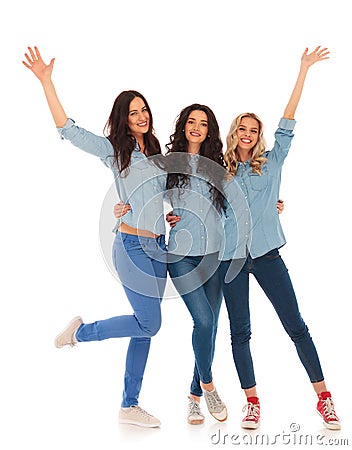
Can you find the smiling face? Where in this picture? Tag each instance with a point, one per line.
(138, 117)
(247, 133)
(196, 128)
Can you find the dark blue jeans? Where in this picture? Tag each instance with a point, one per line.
(197, 280)
(272, 275)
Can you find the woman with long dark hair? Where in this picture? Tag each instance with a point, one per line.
(139, 251)
(196, 173)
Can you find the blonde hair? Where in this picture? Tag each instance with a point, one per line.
(231, 155)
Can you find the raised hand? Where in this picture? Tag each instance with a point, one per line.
(307, 60)
(43, 72)
(319, 54)
(36, 64)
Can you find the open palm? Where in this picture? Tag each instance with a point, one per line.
(37, 66)
(319, 54)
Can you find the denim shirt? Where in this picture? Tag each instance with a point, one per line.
(142, 184)
(262, 193)
(200, 230)
(237, 223)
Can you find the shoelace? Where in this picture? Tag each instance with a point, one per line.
(194, 408)
(253, 411)
(214, 401)
(329, 410)
(141, 411)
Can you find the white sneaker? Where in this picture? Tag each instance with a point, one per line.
(68, 334)
(194, 413)
(215, 405)
(135, 415)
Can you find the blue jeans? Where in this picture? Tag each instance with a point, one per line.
(272, 275)
(140, 263)
(197, 280)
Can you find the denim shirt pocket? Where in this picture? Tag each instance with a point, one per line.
(258, 182)
(144, 171)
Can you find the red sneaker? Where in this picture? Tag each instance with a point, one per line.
(325, 408)
(252, 419)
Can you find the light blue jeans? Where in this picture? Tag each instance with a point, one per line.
(140, 263)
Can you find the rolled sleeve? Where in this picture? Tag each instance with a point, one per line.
(287, 124)
(69, 123)
(99, 146)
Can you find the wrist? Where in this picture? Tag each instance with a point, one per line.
(304, 68)
(47, 83)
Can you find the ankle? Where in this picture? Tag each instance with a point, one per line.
(208, 386)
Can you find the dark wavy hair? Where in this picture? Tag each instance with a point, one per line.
(118, 132)
(211, 148)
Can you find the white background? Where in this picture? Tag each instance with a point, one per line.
(234, 56)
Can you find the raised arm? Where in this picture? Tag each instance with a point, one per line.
(43, 73)
(307, 60)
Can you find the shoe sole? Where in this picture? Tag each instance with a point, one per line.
(196, 422)
(330, 426)
(139, 424)
(220, 420)
(250, 425)
(57, 345)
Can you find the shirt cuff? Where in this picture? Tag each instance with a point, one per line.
(287, 124)
(69, 123)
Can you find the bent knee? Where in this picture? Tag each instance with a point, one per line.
(241, 336)
(151, 329)
(300, 334)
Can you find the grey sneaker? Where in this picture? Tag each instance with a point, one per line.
(68, 334)
(135, 415)
(215, 405)
(194, 414)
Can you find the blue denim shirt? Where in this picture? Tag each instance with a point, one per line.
(200, 230)
(262, 193)
(142, 184)
(237, 223)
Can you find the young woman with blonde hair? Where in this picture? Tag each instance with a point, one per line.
(258, 173)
